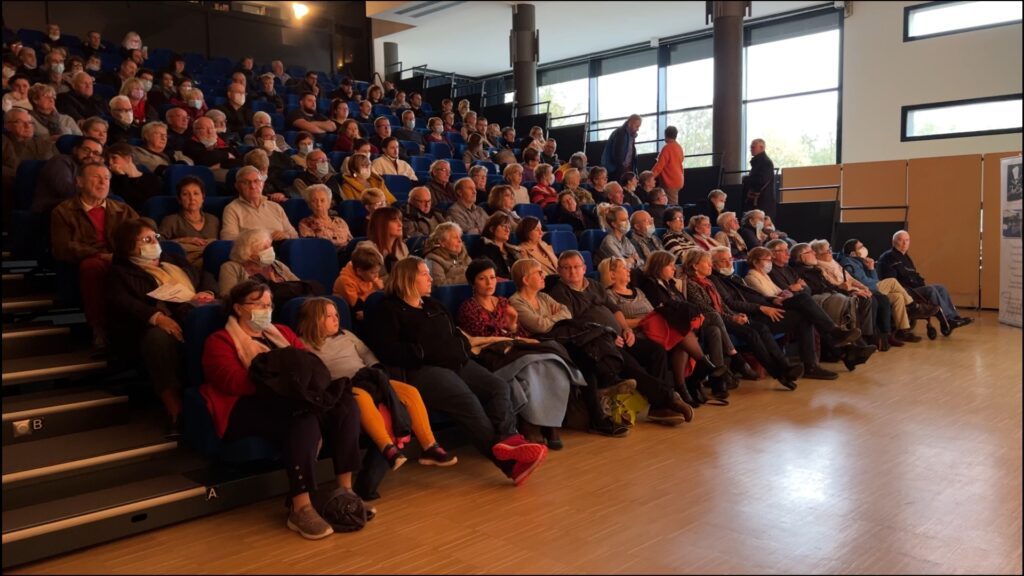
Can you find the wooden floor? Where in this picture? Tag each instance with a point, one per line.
(911, 464)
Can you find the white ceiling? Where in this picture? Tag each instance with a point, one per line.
(471, 38)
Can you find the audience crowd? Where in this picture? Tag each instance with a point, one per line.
(663, 302)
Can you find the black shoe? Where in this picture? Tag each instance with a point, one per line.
(684, 395)
(605, 427)
(907, 336)
(794, 371)
(719, 391)
(173, 428)
(944, 326)
(554, 440)
(841, 336)
(819, 373)
(857, 355)
(882, 343)
(696, 392)
(732, 382)
(787, 383)
(741, 368)
(705, 368)
(961, 322)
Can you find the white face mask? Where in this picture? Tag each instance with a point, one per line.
(238, 99)
(57, 68)
(759, 225)
(209, 143)
(322, 168)
(725, 271)
(862, 252)
(410, 125)
(622, 227)
(124, 117)
(437, 129)
(92, 67)
(719, 206)
(197, 104)
(767, 268)
(269, 145)
(147, 85)
(151, 251)
(54, 37)
(305, 149)
(267, 257)
(364, 173)
(260, 320)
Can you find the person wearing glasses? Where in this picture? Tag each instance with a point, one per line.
(700, 231)
(439, 185)
(420, 216)
(676, 239)
(496, 246)
(145, 332)
(238, 411)
(416, 338)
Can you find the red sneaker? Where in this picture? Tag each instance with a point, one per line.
(518, 449)
(522, 470)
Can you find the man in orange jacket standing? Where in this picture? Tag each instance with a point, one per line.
(670, 165)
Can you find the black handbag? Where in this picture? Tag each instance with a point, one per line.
(343, 510)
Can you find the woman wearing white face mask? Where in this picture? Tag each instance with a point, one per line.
(252, 258)
(146, 332)
(435, 127)
(142, 112)
(238, 411)
(359, 177)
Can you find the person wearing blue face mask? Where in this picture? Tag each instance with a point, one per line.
(143, 331)
(239, 411)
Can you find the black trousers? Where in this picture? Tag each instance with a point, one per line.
(795, 324)
(646, 362)
(299, 435)
(477, 399)
(162, 360)
(883, 314)
(758, 337)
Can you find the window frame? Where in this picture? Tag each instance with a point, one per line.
(906, 110)
(908, 10)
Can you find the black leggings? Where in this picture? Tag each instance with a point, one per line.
(299, 435)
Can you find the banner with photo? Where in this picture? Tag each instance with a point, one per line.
(1010, 284)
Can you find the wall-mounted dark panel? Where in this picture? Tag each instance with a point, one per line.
(233, 37)
(806, 221)
(569, 139)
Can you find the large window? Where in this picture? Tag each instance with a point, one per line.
(792, 90)
(939, 18)
(977, 117)
(791, 82)
(569, 101)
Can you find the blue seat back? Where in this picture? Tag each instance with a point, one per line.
(175, 172)
(559, 228)
(588, 259)
(215, 204)
(399, 186)
(412, 148)
(439, 150)
(740, 267)
(290, 313)
(25, 182)
(172, 247)
(591, 239)
(216, 253)
(263, 106)
(296, 209)
(453, 296)
(534, 210)
(492, 168)
(277, 121)
(159, 207)
(421, 162)
(313, 259)
(561, 241)
(352, 211)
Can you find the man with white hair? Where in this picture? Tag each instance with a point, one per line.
(420, 216)
(267, 92)
(80, 102)
(253, 210)
(466, 212)
(260, 119)
(277, 71)
(642, 236)
(750, 228)
(207, 149)
(19, 144)
(759, 183)
(896, 263)
(122, 127)
(179, 132)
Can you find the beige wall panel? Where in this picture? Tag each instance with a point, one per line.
(875, 184)
(991, 222)
(873, 215)
(945, 217)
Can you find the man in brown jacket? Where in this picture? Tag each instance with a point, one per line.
(82, 230)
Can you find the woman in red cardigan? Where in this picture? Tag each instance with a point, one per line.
(238, 412)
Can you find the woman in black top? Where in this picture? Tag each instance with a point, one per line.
(145, 332)
(496, 248)
(413, 333)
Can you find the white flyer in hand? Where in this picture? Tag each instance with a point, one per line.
(171, 293)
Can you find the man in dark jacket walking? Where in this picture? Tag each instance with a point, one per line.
(620, 151)
(759, 184)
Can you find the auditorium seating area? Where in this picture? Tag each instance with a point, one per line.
(86, 455)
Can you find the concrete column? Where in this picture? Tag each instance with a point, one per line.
(523, 53)
(390, 59)
(728, 100)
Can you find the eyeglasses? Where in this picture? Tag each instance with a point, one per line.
(151, 239)
(259, 305)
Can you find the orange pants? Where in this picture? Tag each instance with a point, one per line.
(373, 422)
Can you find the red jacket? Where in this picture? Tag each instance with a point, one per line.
(543, 195)
(226, 379)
